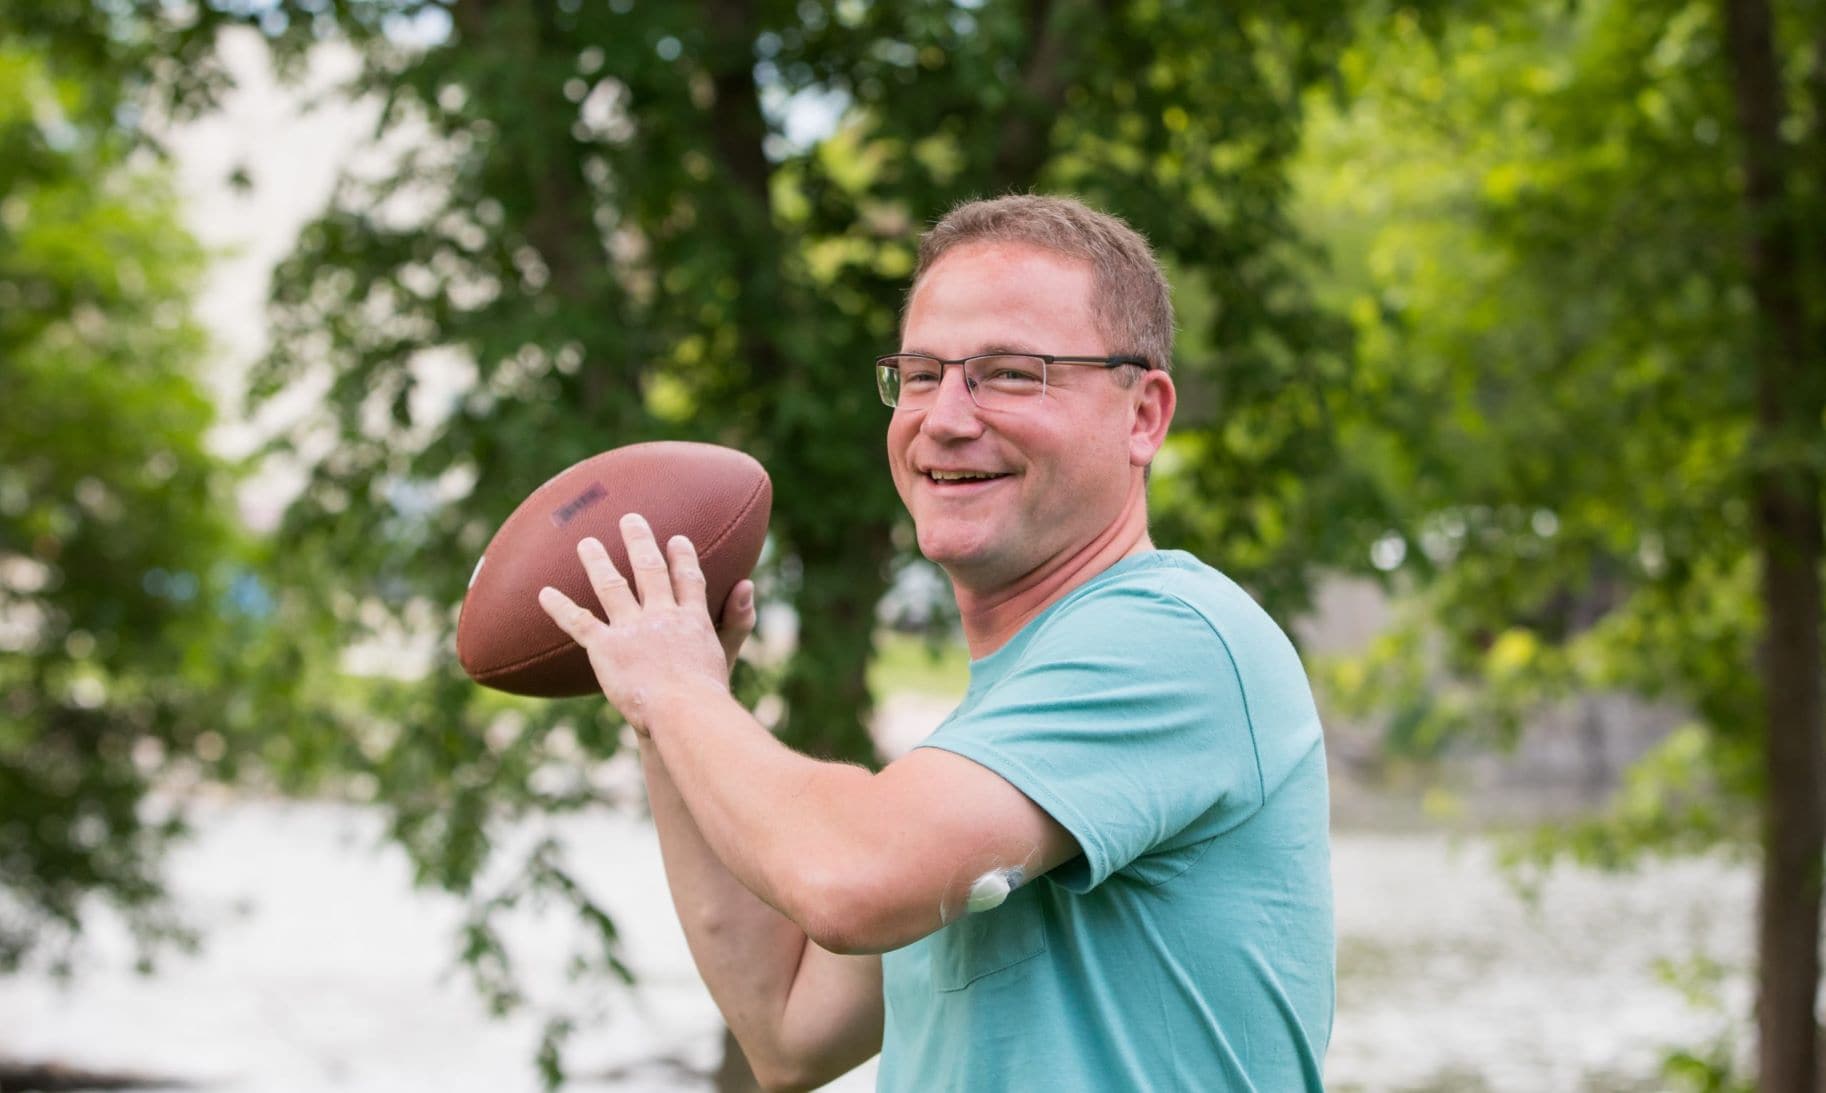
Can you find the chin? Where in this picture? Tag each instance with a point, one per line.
(977, 565)
(947, 550)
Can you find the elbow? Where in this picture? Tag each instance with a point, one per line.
(780, 1080)
(784, 1067)
(776, 1064)
(845, 937)
(850, 912)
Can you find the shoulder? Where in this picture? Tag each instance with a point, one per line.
(1169, 620)
(1162, 599)
(1136, 638)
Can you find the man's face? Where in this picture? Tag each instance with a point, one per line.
(1063, 464)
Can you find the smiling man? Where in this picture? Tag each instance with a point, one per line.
(1109, 868)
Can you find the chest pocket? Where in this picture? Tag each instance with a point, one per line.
(989, 941)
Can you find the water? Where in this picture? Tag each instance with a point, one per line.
(1449, 981)
(324, 971)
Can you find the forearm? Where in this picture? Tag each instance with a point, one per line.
(789, 828)
(747, 953)
(803, 1014)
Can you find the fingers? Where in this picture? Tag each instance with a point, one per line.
(687, 575)
(738, 620)
(611, 587)
(571, 617)
(658, 580)
(651, 579)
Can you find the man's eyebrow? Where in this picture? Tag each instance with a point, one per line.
(993, 347)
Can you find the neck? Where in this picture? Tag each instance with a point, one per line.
(993, 615)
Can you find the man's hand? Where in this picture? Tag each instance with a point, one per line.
(659, 641)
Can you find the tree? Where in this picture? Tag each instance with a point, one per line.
(1581, 246)
(140, 650)
(113, 536)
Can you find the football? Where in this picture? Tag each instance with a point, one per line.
(717, 497)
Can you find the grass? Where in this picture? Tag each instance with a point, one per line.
(909, 664)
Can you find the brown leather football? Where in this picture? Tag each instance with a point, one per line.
(719, 498)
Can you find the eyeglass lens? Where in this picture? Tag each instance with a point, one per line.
(995, 381)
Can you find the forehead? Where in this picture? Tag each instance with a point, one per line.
(983, 296)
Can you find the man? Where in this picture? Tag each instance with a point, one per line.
(1109, 868)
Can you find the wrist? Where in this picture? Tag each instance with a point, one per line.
(681, 702)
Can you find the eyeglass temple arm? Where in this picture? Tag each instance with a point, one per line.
(1107, 362)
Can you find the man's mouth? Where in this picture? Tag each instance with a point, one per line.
(945, 477)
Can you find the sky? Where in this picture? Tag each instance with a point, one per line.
(291, 151)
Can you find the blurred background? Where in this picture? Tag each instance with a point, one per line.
(1502, 360)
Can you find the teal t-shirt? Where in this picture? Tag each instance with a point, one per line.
(1161, 717)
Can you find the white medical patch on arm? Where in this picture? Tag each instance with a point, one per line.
(991, 889)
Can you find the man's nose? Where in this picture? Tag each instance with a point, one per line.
(953, 412)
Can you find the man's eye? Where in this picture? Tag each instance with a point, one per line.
(1010, 373)
(922, 377)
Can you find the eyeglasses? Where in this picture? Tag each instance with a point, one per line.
(995, 381)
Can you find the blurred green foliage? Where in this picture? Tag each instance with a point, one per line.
(1535, 228)
(114, 539)
(1542, 231)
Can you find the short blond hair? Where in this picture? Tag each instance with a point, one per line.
(1131, 303)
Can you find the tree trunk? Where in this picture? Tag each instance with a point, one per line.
(1046, 73)
(826, 685)
(828, 704)
(1786, 492)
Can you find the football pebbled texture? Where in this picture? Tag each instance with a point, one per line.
(717, 497)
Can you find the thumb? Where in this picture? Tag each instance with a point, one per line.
(738, 620)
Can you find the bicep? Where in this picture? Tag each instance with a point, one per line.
(942, 823)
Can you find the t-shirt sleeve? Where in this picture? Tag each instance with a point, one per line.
(1125, 719)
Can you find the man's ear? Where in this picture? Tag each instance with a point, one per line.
(1155, 400)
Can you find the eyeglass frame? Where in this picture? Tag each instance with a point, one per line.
(1046, 360)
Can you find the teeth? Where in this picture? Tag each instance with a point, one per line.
(960, 476)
